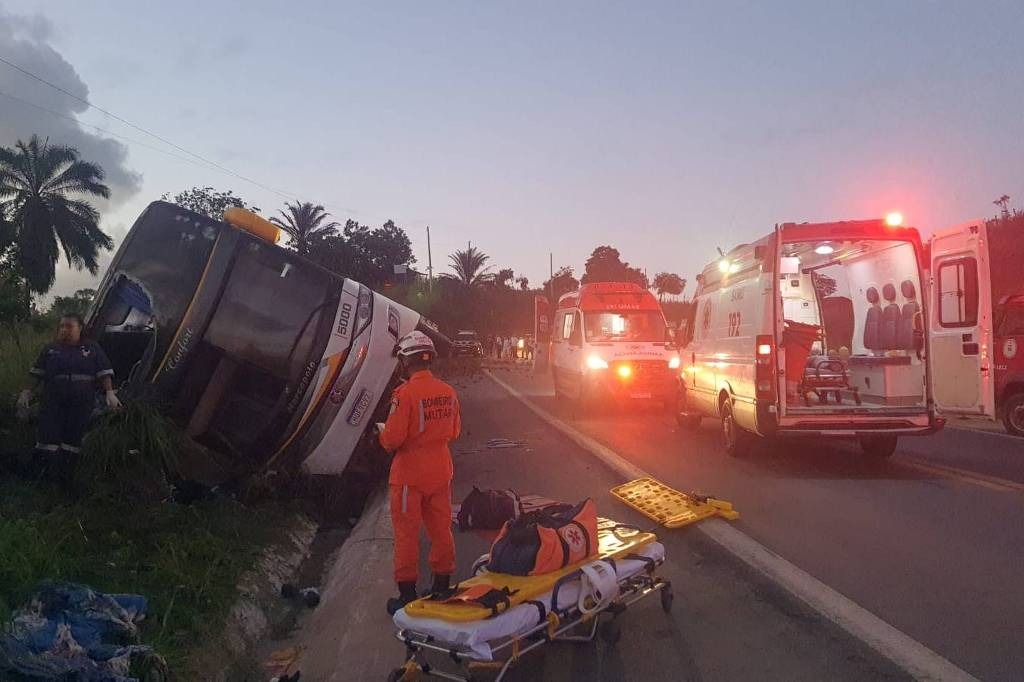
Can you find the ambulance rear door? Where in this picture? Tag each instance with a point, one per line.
(960, 297)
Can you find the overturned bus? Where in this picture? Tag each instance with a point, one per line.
(256, 352)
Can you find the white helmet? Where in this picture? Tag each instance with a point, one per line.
(415, 343)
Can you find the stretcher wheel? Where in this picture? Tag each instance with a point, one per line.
(667, 597)
(610, 631)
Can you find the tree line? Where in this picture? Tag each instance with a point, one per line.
(46, 212)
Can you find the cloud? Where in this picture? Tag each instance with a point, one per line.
(25, 41)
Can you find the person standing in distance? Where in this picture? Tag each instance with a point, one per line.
(424, 418)
(68, 371)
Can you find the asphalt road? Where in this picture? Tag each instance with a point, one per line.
(929, 541)
(729, 622)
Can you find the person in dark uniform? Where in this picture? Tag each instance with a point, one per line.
(69, 371)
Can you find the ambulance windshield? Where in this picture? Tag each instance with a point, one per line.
(625, 326)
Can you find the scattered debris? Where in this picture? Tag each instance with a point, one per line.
(69, 631)
(281, 662)
(500, 443)
(310, 596)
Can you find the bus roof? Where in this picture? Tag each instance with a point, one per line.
(610, 296)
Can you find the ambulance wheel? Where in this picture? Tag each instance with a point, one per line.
(878, 447)
(735, 440)
(667, 597)
(610, 631)
(1013, 415)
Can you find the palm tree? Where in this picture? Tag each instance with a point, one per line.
(37, 184)
(304, 223)
(469, 266)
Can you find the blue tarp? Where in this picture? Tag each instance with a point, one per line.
(72, 633)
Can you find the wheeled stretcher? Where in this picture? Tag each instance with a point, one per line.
(582, 603)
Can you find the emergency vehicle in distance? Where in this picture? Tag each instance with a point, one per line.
(977, 320)
(255, 351)
(610, 339)
(813, 330)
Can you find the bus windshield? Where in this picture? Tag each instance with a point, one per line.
(625, 326)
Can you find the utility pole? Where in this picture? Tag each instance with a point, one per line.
(551, 277)
(430, 264)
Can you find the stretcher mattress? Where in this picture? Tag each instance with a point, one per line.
(475, 638)
(614, 541)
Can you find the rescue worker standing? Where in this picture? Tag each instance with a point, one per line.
(424, 418)
(68, 370)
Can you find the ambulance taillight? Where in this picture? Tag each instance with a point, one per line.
(764, 367)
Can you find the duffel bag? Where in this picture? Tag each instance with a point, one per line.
(546, 540)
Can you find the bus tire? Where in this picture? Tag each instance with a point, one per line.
(735, 441)
(1013, 414)
(878, 447)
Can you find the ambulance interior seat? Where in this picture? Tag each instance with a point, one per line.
(888, 335)
(910, 310)
(873, 321)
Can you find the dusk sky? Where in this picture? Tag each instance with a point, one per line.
(663, 129)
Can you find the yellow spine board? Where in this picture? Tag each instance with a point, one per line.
(669, 507)
(614, 543)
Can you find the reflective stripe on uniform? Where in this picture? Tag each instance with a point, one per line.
(46, 447)
(104, 372)
(36, 372)
(405, 499)
(75, 377)
(70, 448)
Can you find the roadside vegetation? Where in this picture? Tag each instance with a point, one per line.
(119, 533)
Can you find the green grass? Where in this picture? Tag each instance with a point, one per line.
(185, 559)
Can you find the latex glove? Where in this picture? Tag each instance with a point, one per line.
(379, 426)
(112, 401)
(24, 399)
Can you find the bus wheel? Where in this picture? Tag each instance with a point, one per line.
(735, 440)
(1013, 415)
(878, 447)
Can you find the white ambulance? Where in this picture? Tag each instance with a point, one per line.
(813, 330)
(610, 341)
(977, 320)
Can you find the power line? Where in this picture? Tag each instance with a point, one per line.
(114, 116)
(102, 130)
(282, 193)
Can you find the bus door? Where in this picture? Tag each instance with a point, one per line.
(961, 321)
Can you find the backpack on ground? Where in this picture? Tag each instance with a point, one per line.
(488, 509)
(546, 540)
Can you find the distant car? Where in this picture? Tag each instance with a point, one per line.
(466, 342)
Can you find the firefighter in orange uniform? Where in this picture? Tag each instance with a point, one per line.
(424, 418)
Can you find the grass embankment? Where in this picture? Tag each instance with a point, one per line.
(186, 559)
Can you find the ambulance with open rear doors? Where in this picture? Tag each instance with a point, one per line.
(813, 330)
(977, 320)
(610, 341)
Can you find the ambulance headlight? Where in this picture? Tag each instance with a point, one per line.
(596, 362)
(673, 362)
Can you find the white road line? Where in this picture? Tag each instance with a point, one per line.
(914, 658)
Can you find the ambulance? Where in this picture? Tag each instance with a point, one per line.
(610, 341)
(977, 320)
(815, 331)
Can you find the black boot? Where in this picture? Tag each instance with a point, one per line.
(406, 594)
(441, 587)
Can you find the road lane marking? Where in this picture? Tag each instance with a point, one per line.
(911, 656)
(972, 477)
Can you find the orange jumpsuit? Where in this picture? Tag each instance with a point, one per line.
(424, 417)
